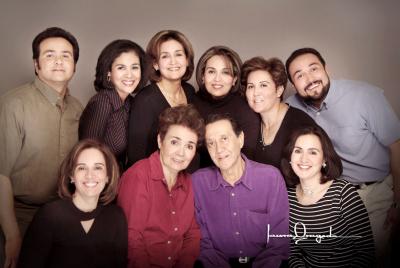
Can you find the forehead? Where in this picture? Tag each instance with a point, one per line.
(127, 56)
(259, 75)
(303, 61)
(91, 155)
(56, 44)
(170, 45)
(181, 132)
(308, 141)
(219, 60)
(219, 128)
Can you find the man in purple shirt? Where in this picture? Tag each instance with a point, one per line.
(241, 205)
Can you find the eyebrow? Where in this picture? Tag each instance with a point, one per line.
(83, 164)
(166, 52)
(52, 51)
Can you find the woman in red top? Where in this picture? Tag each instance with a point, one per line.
(157, 198)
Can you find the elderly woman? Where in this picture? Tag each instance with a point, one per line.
(171, 56)
(322, 205)
(120, 74)
(84, 228)
(157, 198)
(218, 78)
(265, 82)
(239, 202)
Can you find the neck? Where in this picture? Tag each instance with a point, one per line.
(85, 204)
(170, 176)
(235, 173)
(172, 87)
(271, 116)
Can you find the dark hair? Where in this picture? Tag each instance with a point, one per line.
(108, 55)
(333, 167)
(273, 66)
(51, 33)
(67, 189)
(182, 115)
(300, 52)
(231, 56)
(212, 118)
(153, 52)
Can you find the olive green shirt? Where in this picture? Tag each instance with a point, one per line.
(37, 130)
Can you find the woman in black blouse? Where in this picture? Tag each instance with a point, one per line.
(120, 74)
(218, 77)
(83, 228)
(264, 82)
(171, 56)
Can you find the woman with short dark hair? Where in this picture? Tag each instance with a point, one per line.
(120, 74)
(218, 77)
(264, 82)
(157, 197)
(84, 228)
(327, 219)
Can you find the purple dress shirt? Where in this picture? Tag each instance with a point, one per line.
(235, 221)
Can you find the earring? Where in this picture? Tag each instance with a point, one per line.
(72, 181)
(324, 165)
(108, 78)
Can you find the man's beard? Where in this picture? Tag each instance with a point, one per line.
(316, 100)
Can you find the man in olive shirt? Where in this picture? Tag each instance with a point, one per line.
(38, 127)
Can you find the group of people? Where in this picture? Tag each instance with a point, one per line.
(158, 174)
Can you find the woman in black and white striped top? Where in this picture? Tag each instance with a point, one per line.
(328, 222)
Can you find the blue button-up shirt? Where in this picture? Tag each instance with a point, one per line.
(361, 125)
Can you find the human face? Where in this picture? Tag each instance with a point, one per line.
(218, 76)
(307, 157)
(224, 146)
(309, 78)
(55, 64)
(261, 92)
(173, 61)
(177, 149)
(125, 73)
(90, 174)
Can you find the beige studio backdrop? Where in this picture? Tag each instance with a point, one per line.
(360, 39)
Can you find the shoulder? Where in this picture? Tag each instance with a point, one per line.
(113, 211)
(263, 171)
(147, 92)
(355, 89)
(138, 172)
(52, 210)
(204, 175)
(297, 115)
(188, 88)
(18, 95)
(99, 99)
(74, 103)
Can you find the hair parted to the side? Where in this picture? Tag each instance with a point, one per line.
(67, 189)
(273, 66)
(333, 168)
(212, 118)
(232, 59)
(153, 52)
(182, 115)
(108, 55)
(53, 32)
(300, 52)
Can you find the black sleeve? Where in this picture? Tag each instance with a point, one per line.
(38, 241)
(143, 124)
(121, 239)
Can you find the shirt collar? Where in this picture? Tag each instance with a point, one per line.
(244, 179)
(49, 93)
(157, 174)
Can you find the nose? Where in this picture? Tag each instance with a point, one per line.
(173, 59)
(218, 147)
(217, 76)
(303, 157)
(129, 73)
(59, 59)
(181, 151)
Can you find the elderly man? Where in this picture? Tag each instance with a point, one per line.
(364, 130)
(38, 127)
(239, 203)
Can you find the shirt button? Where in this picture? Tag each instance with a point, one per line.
(240, 251)
(318, 113)
(237, 233)
(169, 242)
(169, 258)
(173, 212)
(176, 229)
(234, 213)
(232, 194)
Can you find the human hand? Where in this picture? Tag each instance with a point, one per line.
(392, 218)
(12, 247)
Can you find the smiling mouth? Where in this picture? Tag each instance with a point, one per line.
(90, 184)
(128, 83)
(313, 85)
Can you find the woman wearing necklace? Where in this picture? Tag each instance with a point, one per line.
(171, 56)
(83, 229)
(327, 219)
(265, 82)
(218, 77)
